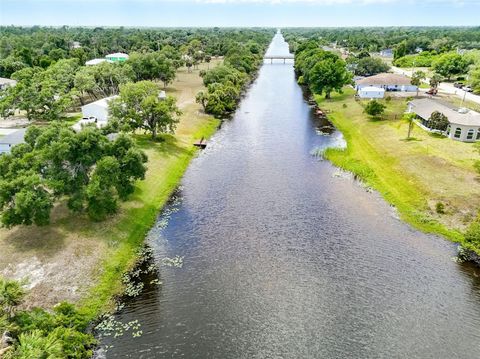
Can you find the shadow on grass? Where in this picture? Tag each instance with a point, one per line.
(165, 144)
(437, 135)
(46, 240)
(411, 139)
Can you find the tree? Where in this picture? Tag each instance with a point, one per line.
(417, 78)
(374, 108)
(400, 50)
(57, 163)
(139, 107)
(435, 81)
(450, 64)
(474, 78)
(438, 121)
(367, 66)
(43, 94)
(202, 98)
(329, 74)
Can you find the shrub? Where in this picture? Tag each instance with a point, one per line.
(440, 208)
(374, 108)
(473, 233)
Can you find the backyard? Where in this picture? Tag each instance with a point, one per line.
(430, 179)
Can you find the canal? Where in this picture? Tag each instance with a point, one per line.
(285, 256)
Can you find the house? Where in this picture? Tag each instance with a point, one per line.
(98, 109)
(4, 83)
(371, 92)
(464, 124)
(387, 53)
(75, 45)
(387, 81)
(15, 138)
(117, 57)
(94, 62)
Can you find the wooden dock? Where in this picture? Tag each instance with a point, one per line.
(201, 144)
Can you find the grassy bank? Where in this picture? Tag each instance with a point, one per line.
(417, 176)
(76, 260)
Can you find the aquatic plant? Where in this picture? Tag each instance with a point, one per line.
(176, 262)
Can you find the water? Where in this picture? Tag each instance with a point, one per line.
(286, 257)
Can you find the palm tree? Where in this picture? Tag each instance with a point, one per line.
(11, 295)
(36, 345)
(409, 117)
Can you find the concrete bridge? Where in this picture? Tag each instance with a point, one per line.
(279, 57)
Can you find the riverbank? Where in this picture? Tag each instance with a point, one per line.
(429, 179)
(76, 260)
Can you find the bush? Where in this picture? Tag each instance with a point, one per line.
(472, 235)
(440, 208)
(374, 108)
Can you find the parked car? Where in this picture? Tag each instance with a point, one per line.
(467, 88)
(458, 85)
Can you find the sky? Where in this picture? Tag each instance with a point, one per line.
(227, 13)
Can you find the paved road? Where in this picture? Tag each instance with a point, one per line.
(444, 86)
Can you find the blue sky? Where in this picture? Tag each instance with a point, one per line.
(275, 13)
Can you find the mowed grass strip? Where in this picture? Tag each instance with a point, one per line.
(413, 175)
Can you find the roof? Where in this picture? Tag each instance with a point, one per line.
(14, 138)
(372, 88)
(117, 54)
(5, 81)
(385, 79)
(425, 107)
(96, 61)
(102, 102)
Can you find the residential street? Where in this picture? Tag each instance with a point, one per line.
(444, 86)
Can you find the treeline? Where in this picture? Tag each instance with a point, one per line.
(322, 71)
(226, 82)
(45, 91)
(22, 47)
(375, 39)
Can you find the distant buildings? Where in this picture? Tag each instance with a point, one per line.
(15, 138)
(75, 45)
(117, 57)
(94, 62)
(388, 82)
(4, 83)
(464, 124)
(388, 53)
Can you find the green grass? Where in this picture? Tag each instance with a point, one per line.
(413, 174)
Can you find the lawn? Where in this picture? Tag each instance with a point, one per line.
(81, 261)
(414, 175)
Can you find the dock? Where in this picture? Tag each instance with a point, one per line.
(201, 144)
